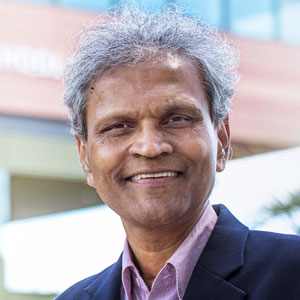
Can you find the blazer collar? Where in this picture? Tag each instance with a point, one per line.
(222, 256)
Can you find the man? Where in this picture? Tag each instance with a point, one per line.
(148, 97)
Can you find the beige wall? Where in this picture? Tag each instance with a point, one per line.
(32, 196)
(39, 156)
(45, 175)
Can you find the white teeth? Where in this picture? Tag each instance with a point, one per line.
(153, 175)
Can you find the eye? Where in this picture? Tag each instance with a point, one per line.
(177, 121)
(118, 127)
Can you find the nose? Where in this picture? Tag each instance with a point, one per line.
(150, 142)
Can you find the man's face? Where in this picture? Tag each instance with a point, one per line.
(152, 150)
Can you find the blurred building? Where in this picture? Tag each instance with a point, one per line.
(39, 169)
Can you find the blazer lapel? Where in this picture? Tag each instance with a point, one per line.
(222, 256)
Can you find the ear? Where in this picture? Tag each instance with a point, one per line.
(83, 156)
(223, 133)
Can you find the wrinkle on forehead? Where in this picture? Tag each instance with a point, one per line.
(167, 59)
(169, 78)
(172, 68)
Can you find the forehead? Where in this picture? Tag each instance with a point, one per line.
(170, 68)
(170, 78)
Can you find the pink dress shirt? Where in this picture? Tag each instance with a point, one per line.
(172, 280)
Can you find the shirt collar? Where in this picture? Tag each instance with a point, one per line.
(185, 257)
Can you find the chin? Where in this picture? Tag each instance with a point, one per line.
(158, 218)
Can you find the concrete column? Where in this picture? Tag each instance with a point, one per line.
(4, 197)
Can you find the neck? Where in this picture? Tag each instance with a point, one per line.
(152, 247)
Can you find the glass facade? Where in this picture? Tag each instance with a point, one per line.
(252, 19)
(289, 21)
(262, 19)
(267, 19)
(210, 11)
(153, 5)
(89, 5)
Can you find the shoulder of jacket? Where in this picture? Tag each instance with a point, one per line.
(284, 247)
(77, 291)
(274, 238)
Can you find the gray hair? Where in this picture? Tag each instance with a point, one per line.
(129, 35)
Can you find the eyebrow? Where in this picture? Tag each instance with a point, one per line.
(185, 107)
(165, 108)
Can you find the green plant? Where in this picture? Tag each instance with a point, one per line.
(287, 208)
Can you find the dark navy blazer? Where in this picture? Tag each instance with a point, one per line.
(237, 263)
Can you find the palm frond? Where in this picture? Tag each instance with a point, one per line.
(285, 208)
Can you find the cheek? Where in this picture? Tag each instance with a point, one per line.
(203, 144)
(203, 157)
(105, 162)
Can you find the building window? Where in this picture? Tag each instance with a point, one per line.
(289, 20)
(210, 11)
(94, 5)
(252, 18)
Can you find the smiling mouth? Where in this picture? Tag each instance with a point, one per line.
(154, 175)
